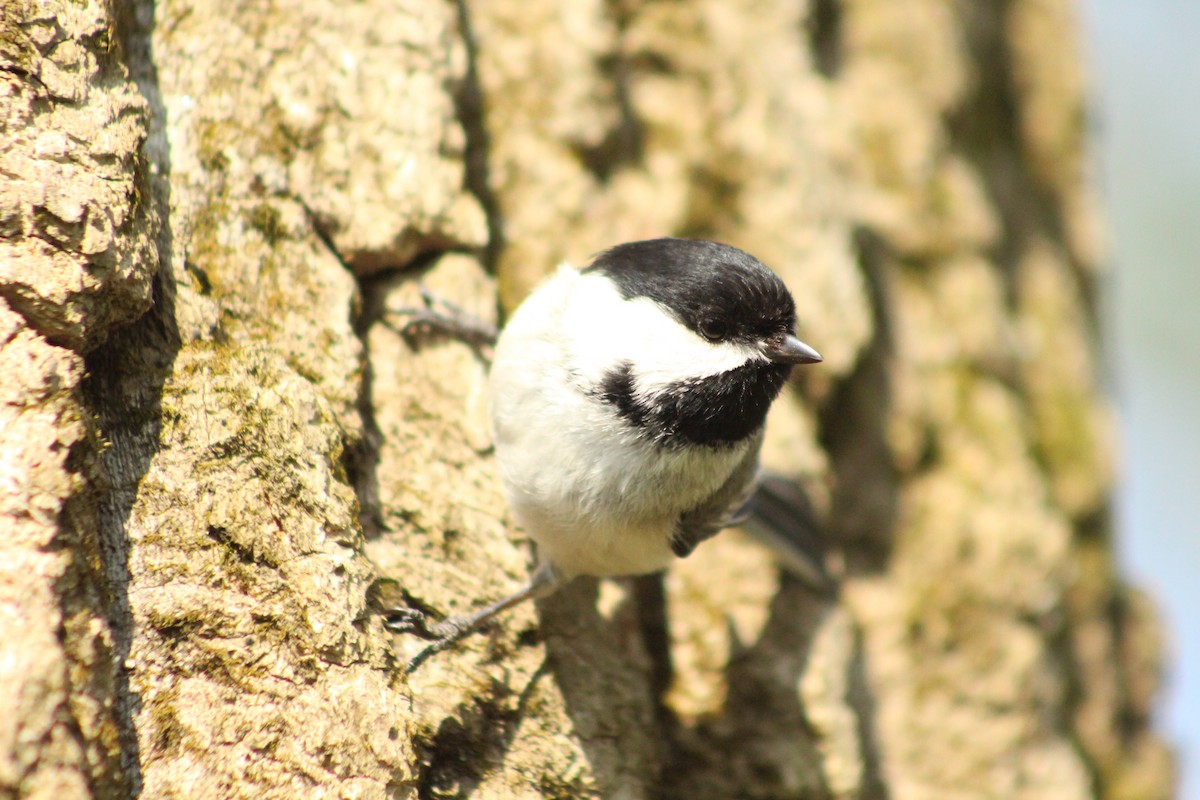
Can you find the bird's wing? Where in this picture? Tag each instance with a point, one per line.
(719, 509)
(771, 508)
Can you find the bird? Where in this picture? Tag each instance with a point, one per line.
(628, 404)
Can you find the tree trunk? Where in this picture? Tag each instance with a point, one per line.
(216, 453)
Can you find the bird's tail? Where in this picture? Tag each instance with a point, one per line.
(780, 515)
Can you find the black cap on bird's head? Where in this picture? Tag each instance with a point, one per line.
(719, 292)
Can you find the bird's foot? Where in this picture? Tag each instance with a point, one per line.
(439, 316)
(405, 619)
(412, 621)
(442, 635)
(408, 620)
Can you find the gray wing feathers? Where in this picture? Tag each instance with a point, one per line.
(772, 509)
(719, 509)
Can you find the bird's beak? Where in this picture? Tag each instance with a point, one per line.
(790, 350)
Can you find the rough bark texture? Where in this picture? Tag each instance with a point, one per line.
(215, 453)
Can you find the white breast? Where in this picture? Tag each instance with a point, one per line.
(597, 498)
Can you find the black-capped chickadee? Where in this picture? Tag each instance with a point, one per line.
(628, 403)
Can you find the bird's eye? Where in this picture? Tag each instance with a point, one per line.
(713, 329)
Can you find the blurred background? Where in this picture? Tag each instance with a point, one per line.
(1145, 66)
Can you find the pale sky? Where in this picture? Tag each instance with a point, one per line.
(1146, 77)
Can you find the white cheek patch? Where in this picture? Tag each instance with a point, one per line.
(661, 350)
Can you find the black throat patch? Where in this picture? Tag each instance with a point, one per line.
(713, 411)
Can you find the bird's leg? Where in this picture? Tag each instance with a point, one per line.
(437, 315)
(445, 634)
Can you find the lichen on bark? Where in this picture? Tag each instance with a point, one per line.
(206, 499)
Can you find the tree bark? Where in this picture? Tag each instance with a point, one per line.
(216, 454)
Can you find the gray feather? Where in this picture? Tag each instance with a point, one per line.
(771, 508)
(718, 510)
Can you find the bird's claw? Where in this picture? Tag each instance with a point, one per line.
(409, 620)
(437, 315)
(432, 650)
(441, 635)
